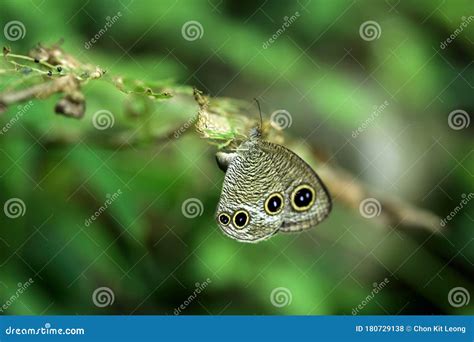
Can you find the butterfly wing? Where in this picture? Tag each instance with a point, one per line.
(248, 180)
(261, 177)
(307, 200)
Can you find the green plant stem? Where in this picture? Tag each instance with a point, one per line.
(28, 58)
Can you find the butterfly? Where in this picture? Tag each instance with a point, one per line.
(268, 189)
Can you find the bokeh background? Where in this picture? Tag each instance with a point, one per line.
(325, 71)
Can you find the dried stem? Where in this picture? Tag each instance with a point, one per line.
(42, 90)
(394, 212)
(219, 120)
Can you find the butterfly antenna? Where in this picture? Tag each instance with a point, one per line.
(260, 113)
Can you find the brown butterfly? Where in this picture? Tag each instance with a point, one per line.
(268, 189)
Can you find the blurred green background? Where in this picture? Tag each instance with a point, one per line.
(322, 71)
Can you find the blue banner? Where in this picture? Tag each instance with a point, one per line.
(237, 328)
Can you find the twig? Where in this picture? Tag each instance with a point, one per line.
(219, 120)
(394, 212)
(42, 90)
(27, 58)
